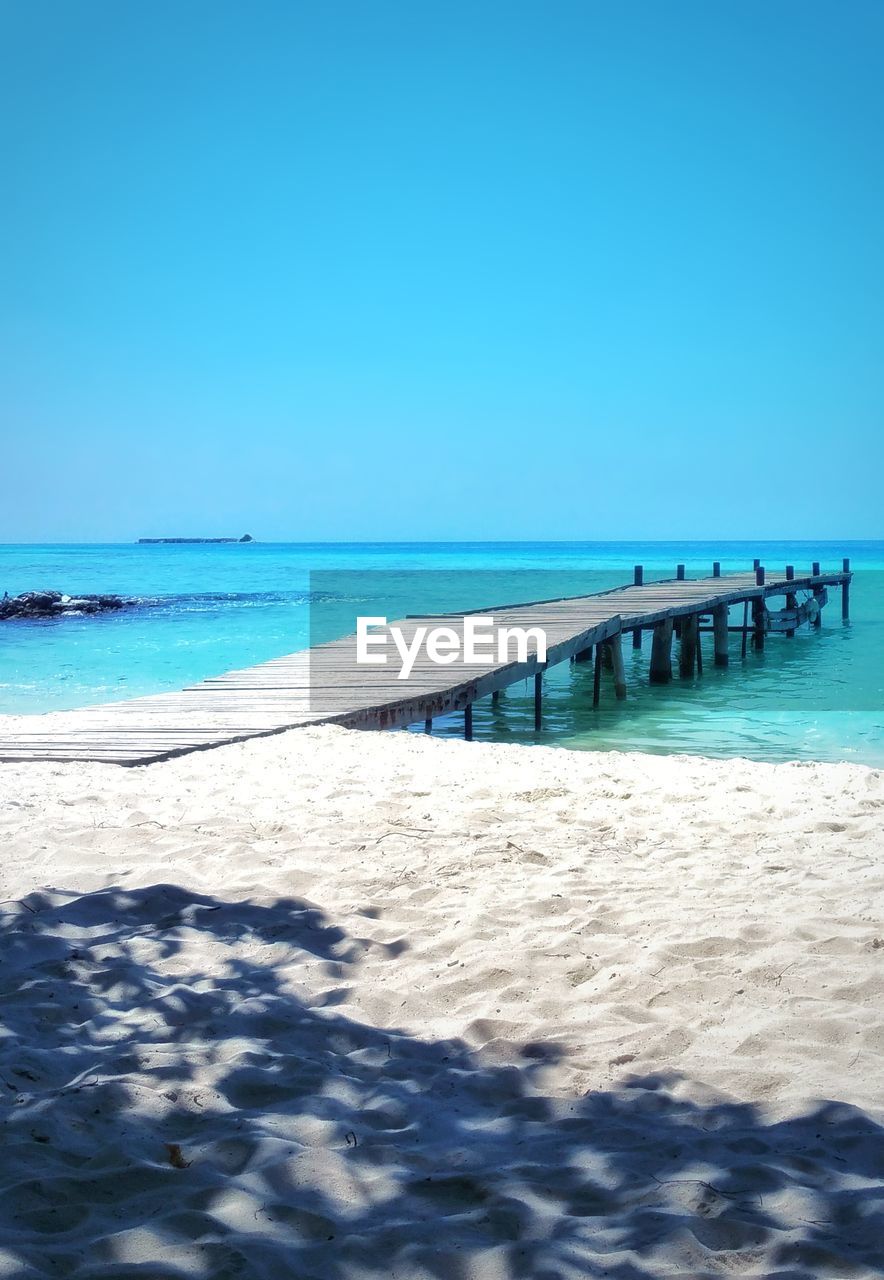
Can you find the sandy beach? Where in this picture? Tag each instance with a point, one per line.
(335, 1005)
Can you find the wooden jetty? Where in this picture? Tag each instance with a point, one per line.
(326, 685)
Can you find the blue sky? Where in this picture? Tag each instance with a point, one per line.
(441, 270)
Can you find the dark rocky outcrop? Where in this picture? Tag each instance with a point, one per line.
(50, 604)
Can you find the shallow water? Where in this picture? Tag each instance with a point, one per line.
(208, 608)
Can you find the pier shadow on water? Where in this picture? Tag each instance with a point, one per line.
(175, 1104)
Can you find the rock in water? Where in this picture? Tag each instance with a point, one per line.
(50, 604)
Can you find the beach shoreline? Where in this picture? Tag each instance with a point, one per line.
(569, 1009)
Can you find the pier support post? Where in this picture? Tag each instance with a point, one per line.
(638, 580)
(845, 591)
(538, 700)
(687, 653)
(719, 634)
(817, 595)
(745, 637)
(583, 655)
(428, 725)
(495, 697)
(758, 612)
(791, 598)
(597, 676)
(661, 653)
(468, 722)
(679, 573)
(716, 568)
(614, 649)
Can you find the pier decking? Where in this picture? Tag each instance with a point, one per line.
(324, 684)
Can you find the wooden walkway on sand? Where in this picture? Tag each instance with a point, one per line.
(326, 685)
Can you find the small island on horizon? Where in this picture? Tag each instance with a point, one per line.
(247, 537)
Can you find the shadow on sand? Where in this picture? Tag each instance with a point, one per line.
(316, 1147)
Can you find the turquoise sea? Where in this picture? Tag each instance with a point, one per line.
(205, 609)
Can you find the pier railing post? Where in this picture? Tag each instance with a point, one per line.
(845, 591)
(661, 653)
(719, 634)
(638, 580)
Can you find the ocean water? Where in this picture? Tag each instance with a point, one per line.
(208, 608)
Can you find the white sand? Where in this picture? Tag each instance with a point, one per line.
(421, 1009)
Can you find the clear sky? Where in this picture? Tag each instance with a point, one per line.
(441, 270)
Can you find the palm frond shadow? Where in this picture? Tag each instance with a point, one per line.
(141, 1023)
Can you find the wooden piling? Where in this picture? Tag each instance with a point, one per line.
(744, 641)
(428, 725)
(638, 577)
(661, 653)
(716, 568)
(468, 722)
(538, 700)
(495, 697)
(597, 676)
(719, 634)
(583, 655)
(679, 573)
(791, 598)
(817, 595)
(687, 651)
(845, 591)
(615, 648)
(758, 612)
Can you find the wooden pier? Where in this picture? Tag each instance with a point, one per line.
(326, 685)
